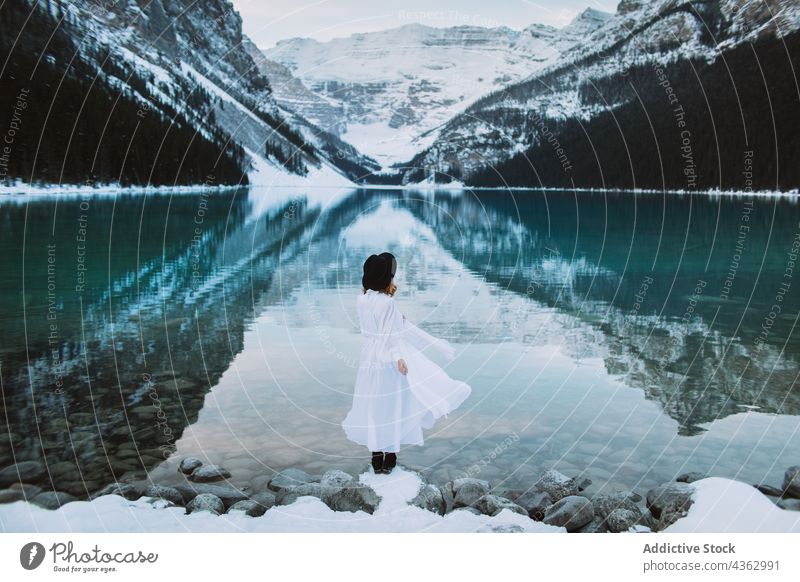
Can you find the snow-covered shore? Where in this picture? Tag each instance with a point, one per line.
(113, 513)
(266, 175)
(718, 505)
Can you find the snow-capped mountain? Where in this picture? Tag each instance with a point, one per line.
(174, 67)
(386, 92)
(583, 118)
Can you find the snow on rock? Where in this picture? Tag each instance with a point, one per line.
(727, 506)
(112, 513)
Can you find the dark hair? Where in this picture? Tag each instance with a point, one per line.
(379, 270)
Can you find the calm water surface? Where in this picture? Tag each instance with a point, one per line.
(624, 337)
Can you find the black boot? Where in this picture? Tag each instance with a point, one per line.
(389, 462)
(377, 462)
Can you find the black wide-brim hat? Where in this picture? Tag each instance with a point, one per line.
(378, 271)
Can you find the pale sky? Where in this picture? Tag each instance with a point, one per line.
(268, 21)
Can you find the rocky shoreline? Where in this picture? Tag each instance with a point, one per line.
(555, 499)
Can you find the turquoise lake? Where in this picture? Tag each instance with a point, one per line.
(624, 337)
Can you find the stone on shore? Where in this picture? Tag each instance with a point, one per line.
(791, 482)
(265, 499)
(288, 495)
(597, 525)
(248, 507)
(168, 493)
(557, 485)
(571, 512)
(535, 503)
(289, 478)
(11, 495)
(335, 478)
(226, 492)
(789, 504)
(127, 490)
(671, 497)
(52, 499)
(209, 474)
(606, 503)
(768, 490)
(28, 491)
(447, 495)
(354, 497)
(206, 502)
(622, 519)
(430, 498)
(493, 504)
(467, 490)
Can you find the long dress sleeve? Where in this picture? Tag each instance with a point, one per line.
(400, 330)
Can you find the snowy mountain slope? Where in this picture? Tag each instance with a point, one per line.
(294, 97)
(594, 77)
(184, 63)
(292, 94)
(386, 91)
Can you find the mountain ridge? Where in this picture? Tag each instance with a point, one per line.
(392, 87)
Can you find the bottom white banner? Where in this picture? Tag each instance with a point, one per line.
(390, 556)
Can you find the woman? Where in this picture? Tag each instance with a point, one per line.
(398, 390)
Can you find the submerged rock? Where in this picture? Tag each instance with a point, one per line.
(571, 512)
(189, 464)
(209, 473)
(23, 472)
(557, 485)
(690, 477)
(289, 478)
(206, 502)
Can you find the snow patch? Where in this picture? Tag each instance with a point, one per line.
(727, 506)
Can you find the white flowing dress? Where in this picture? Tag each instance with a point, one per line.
(389, 408)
